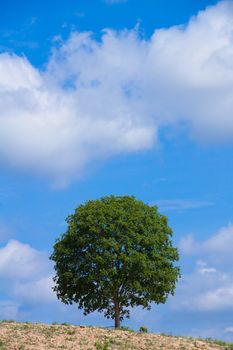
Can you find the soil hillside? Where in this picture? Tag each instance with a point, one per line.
(26, 336)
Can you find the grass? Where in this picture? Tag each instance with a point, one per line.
(224, 344)
(228, 346)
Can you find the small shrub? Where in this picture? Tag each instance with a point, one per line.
(143, 329)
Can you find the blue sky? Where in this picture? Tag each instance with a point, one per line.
(118, 97)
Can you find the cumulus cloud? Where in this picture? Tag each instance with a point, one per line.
(55, 128)
(26, 291)
(205, 289)
(26, 279)
(209, 286)
(218, 299)
(36, 291)
(220, 242)
(19, 261)
(96, 99)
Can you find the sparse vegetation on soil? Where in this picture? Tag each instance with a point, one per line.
(26, 336)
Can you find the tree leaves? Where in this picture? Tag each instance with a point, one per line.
(116, 251)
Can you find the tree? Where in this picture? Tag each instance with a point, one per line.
(116, 254)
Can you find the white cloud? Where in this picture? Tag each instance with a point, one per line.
(205, 289)
(95, 99)
(36, 291)
(228, 330)
(50, 130)
(220, 242)
(218, 299)
(209, 286)
(26, 287)
(182, 204)
(26, 278)
(19, 261)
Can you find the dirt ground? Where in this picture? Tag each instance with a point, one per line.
(25, 336)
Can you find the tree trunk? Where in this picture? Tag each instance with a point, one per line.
(117, 314)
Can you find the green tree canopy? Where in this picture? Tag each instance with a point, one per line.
(117, 253)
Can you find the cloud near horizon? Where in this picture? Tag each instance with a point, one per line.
(97, 99)
(221, 243)
(209, 285)
(26, 279)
